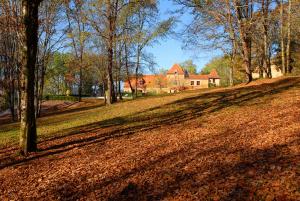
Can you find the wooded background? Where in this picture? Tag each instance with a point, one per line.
(61, 47)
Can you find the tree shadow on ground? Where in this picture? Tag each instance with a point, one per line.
(166, 176)
(68, 110)
(53, 110)
(176, 112)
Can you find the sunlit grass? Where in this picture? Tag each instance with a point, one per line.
(149, 110)
(54, 125)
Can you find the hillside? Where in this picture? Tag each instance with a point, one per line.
(220, 144)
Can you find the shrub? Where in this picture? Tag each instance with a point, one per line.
(210, 85)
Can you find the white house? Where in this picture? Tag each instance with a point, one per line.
(276, 72)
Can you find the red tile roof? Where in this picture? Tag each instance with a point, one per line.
(214, 74)
(176, 68)
(154, 81)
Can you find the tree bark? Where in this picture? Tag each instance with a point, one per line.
(288, 46)
(11, 96)
(119, 74)
(244, 15)
(110, 83)
(28, 133)
(127, 67)
(137, 71)
(41, 90)
(266, 55)
(284, 70)
(233, 43)
(80, 83)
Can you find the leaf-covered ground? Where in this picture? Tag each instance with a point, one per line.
(239, 143)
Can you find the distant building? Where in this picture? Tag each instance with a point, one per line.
(175, 79)
(275, 70)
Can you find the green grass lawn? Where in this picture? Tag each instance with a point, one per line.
(55, 125)
(145, 111)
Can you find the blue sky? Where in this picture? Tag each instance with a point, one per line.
(169, 51)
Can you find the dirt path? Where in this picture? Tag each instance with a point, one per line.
(238, 144)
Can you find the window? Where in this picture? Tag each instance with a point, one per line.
(214, 80)
(192, 82)
(198, 82)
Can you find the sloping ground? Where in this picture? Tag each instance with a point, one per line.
(54, 107)
(228, 144)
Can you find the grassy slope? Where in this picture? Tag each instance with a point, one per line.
(56, 125)
(239, 143)
(61, 124)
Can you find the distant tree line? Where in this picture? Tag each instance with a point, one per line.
(256, 32)
(60, 45)
(83, 47)
(69, 45)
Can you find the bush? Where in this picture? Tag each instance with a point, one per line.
(3, 104)
(210, 85)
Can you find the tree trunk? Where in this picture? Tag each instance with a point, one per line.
(119, 80)
(127, 68)
(261, 68)
(11, 96)
(28, 133)
(13, 100)
(41, 90)
(243, 15)
(247, 58)
(110, 83)
(19, 95)
(284, 70)
(233, 44)
(105, 98)
(137, 71)
(288, 46)
(246, 45)
(266, 55)
(80, 76)
(36, 93)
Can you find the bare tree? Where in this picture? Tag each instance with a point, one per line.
(214, 26)
(244, 11)
(147, 31)
(233, 39)
(78, 33)
(50, 39)
(10, 50)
